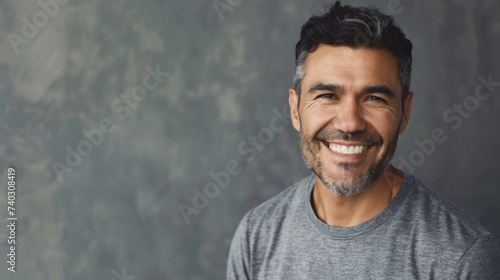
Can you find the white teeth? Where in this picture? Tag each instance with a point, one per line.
(348, 150)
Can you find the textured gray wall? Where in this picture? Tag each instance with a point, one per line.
(116, 213)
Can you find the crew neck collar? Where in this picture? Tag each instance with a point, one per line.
(368, 226)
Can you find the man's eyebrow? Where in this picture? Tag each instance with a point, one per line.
(325, 87)
(383, 89)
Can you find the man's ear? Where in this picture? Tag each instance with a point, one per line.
(407, 111)
(293, 100)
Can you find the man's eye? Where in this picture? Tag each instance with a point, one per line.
(329, 96)
(375, 98)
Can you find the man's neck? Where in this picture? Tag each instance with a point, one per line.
(347, 211)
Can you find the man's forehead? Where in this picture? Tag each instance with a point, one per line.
(351, 67)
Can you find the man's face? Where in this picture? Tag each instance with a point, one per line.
(350, 115)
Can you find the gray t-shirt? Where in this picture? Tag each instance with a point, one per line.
(420, 235)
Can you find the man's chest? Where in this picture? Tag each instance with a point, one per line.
(298, 254)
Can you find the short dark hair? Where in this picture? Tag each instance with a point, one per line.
(345, 26)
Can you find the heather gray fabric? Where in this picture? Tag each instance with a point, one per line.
(420, 235)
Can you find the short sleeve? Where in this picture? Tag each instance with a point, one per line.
(481, 261)
(238, 263)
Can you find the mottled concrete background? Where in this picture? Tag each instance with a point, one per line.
(112, 211)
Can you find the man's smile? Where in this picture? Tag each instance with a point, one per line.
(348, 151)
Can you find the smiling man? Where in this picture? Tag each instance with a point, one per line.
(357, 216)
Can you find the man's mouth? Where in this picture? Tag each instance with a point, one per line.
(347, 150)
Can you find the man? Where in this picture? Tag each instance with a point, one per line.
(357, 216)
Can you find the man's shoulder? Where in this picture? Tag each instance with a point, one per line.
(439, 230)
(281, 205)
(443, 231)
(436, 210)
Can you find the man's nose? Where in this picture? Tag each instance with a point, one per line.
(348, 117)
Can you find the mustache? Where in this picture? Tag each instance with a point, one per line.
(367, 137)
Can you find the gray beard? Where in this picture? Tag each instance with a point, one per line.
(360, 184)
(357, 187)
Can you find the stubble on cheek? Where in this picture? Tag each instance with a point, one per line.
(306, 149)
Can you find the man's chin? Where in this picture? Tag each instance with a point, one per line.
(347, 188)
(349, 167)
(348, 181)
(348, 171)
